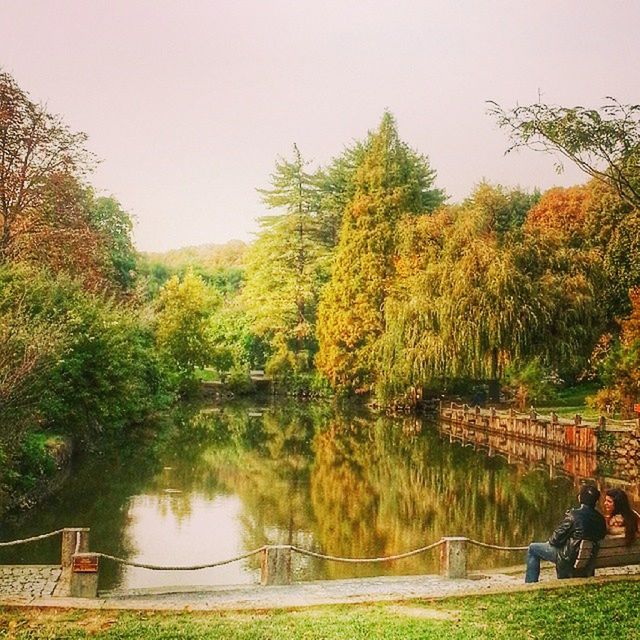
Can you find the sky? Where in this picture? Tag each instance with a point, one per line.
(188, 104)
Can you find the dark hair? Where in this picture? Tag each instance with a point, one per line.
(589, 495)
(621, 506)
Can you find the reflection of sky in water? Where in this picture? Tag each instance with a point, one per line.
(226, 483)
(209, 533)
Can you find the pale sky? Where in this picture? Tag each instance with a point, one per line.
(189, 103)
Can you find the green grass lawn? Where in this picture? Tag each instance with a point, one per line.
(573, 400)
(590, 611)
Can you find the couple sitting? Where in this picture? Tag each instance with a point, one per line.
(583, 523)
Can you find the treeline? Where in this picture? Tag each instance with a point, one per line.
(87, 350)
(366, 280)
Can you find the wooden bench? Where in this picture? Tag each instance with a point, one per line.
(613, 552)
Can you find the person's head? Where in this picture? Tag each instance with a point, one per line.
(618, 501)
(589, 495)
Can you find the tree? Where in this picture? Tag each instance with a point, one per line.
(34, 145)
(468, 301)
(183, 310)
(114, 227)
(390, 182)
(604, 143)
(286, 268)
(58, 234)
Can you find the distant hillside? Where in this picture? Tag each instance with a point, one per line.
(209, 257)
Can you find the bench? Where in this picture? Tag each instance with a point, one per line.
(613, 552)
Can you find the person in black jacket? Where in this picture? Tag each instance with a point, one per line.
(582, 523)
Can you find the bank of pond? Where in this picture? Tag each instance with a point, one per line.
(214, 481)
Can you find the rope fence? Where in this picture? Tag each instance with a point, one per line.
(32, 539)
(303, 552)
(82, 568)
(194, 567)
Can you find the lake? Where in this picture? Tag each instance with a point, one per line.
(217, 481)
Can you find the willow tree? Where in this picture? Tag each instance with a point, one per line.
(391, 181)
(286, 268)
(467, 301)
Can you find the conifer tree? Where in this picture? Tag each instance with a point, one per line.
(286, 268)
(391, 181)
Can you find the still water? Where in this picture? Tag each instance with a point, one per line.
(221, 480)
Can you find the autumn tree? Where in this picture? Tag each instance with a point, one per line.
(34, 146)
(391, 182)
(468, 301)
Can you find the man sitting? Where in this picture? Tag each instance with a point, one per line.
(582, 523)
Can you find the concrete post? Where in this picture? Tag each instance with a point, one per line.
(276, 566)
(71, 538)
(84, 576)
(453, 557)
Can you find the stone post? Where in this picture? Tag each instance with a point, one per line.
(84, 576)
(71, 538)
(276, 565)
(453, 557)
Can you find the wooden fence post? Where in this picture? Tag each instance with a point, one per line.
(276, 565)
(453, 557)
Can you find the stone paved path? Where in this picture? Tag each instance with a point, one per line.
(31, 581)
(243, 597)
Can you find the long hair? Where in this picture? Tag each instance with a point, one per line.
(622, 507)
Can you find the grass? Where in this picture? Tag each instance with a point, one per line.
(590, 611)
(207, 375)
(573, 400)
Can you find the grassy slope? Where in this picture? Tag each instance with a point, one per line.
(588, 611)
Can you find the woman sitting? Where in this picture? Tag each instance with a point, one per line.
(620, 517)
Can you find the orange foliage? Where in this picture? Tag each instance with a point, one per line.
(57, 234)
(560, 212)
(631, 326)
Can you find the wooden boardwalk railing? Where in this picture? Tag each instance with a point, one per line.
(575, 434)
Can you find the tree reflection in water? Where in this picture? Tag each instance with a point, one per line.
(337, 480)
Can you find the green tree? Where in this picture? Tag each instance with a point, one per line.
(390, 182)
(114, 226)
(604, 143)
(286, 268)
(183, 311)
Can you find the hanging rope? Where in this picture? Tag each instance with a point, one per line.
(399, 556)
(33, 539)
(477, 543)
(195, 567)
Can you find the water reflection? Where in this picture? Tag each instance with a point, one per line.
(222, 480)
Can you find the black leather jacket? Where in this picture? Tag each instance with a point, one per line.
(582, 523)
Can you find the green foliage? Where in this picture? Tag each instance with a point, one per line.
(286, 268)
(470, 299)
(531, 383)
(183, 310)
(103, 352)
(390, 182)
(115, 227)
